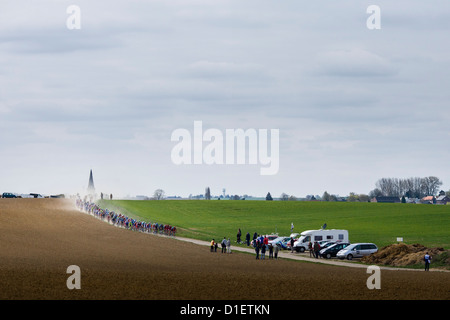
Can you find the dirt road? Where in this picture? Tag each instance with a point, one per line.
(40, 238)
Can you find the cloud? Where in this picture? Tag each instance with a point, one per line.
(108, 96)
(226, 70)
(354, 62)
(57, 41)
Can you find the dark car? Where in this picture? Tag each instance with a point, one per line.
(327, 244)
(8, 195)
(332, 250)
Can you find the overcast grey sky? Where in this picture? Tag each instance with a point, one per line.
(352, 105)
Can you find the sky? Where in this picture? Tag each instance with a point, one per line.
(352, 104)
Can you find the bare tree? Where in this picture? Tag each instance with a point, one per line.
(432, 185)
(284, 197)
(375, 193)
(411, 187)
(158, 194)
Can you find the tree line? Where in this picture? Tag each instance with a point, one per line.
(414, 187)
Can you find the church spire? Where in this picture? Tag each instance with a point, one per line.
(91, 188)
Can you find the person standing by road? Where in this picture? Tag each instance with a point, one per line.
(266, 242)
(261, 239)
(276, 251)
(228, 246)
(316, 249)
(310, 246)
(263, 251)
(257, 249)
(247, 238)
(292, 245)
(271, 251)
(212, 245)
(427, 259)
(224, 245)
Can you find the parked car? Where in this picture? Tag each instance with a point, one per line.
(271, 237)
(326, 244)
(288, 243)
(357, 250)
(25, 196)
(280, 242)
(36, 195)
(277, 239)
(333, 249)
(8, 195)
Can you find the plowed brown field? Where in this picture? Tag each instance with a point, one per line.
(40, 238)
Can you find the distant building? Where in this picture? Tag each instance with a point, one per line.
(429, 200)
(142, 197)
(413, 200)
(442, 199)
(383, 199)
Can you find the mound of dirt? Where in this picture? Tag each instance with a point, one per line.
(401, 254)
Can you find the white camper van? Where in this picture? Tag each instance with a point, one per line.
(334, 235)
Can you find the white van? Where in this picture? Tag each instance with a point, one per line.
(334, 235)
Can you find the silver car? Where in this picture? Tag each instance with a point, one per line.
(357, 250)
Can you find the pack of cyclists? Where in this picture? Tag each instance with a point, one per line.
(123, 221)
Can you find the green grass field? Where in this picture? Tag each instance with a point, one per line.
(379, 223)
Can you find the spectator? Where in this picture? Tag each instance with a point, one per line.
(228, 246)
(263, 251)
(310, 246)
(247, 238)
(224, 245)
(316, 249)
(266, 242)
(257, 249)
(292, 244)
(270, 251)
(261, 239)
(276, 252)
(427, 259)
(212, 245)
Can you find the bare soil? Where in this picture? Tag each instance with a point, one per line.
(40, 238)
